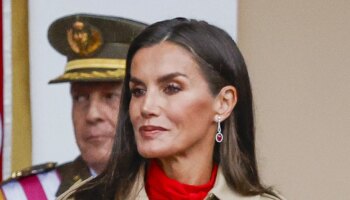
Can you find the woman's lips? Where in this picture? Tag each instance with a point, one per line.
(150, 132)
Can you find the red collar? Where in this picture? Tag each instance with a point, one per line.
(159, 186)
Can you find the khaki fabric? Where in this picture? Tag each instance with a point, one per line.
(220, 191)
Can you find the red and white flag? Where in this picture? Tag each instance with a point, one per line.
(1, 95)
(5, 89)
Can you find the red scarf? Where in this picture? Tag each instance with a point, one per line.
(159, 186)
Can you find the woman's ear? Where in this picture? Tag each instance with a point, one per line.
(225, 101)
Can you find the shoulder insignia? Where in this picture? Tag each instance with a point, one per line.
(32, 170)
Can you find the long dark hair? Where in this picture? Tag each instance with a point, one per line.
(221, 64)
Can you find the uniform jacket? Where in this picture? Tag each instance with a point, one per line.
(45, 185)
(220, 191)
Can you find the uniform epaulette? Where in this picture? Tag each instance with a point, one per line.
(29, 171)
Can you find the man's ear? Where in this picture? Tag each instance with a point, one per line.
(225, 101)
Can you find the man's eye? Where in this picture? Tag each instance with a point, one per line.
(137, 92)
(112, 96)
(172, 89)
(80, 98)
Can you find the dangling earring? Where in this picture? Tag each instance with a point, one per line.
(219, 137)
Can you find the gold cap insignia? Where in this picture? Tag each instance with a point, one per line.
(83, 38)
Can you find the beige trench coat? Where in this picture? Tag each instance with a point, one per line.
(220, 191)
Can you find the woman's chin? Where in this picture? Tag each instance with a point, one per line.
(152, 152)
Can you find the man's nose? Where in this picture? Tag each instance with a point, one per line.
(95, 110)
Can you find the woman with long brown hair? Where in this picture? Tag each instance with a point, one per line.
(186, 126)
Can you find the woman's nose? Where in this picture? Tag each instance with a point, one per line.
(150, 105)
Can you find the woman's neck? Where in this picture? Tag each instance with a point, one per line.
(186, 170)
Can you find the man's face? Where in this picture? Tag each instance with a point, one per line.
(95, 112)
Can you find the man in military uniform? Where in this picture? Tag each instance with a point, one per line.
(96, 47)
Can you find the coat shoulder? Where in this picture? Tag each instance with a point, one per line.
(55, 178)
(72, 172)
(39, 178)
(30, 171)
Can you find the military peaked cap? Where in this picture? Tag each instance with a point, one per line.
(95, 46)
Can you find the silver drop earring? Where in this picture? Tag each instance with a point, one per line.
(219, 137)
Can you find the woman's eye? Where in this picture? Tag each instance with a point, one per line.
(137, 92)
(172, 89)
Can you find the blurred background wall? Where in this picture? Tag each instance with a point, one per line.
(298, 55)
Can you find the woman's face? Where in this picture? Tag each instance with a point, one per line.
(171, 109)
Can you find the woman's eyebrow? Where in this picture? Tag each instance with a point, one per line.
(161, 79)
(135, 80)
(170, 76)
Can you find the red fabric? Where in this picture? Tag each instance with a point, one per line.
(159, 186)
(32, 188)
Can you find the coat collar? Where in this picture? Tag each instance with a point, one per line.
(219, 191)
(72, 172)
(222, 191)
